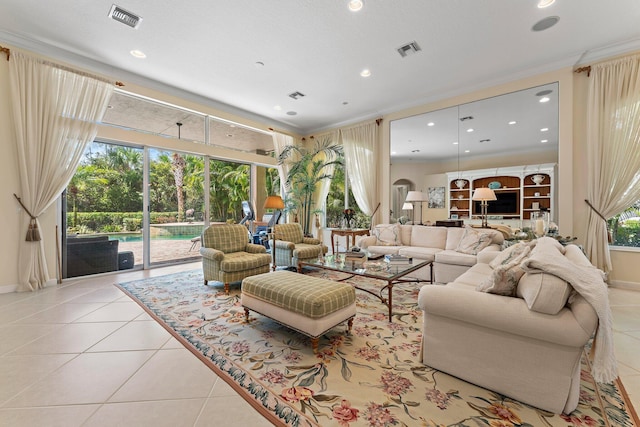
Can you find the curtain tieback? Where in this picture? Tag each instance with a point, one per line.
(609, 233)
(33, 234)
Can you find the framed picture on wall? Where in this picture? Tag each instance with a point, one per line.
(436, 198)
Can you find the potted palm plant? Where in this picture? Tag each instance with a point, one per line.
(308, 168)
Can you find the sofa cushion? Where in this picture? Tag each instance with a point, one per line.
(543, 292)
(384, 249)
(454, 257)
(505, 277)
(426, 254)
(473, 276)
(387, 235)
(454, 235)
(473, 241)
(429, 237)
(405, 234)
(510, 253)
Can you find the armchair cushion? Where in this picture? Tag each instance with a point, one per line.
(242, 261)
(226, 238)
(289, 232)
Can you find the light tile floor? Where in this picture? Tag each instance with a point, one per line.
(84, 354)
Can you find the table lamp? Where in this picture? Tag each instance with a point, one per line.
(276, 203)
(485, 195)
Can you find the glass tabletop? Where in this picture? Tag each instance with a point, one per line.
(378, 268)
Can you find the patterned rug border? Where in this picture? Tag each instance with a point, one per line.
(258, 395)
(250, 398)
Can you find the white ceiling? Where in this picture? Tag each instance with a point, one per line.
(208, 50)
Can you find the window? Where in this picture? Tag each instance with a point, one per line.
(625, 227)
(336, 202)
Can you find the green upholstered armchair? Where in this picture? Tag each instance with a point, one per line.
(291, 246)
(227, 255)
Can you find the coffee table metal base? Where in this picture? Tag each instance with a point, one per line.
(391, 281)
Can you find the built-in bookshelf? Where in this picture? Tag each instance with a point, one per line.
(520, 190)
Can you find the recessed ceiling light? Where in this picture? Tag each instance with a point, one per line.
(512, 122)
(365, 73)
(138, 53)
(455, 143)
(277, 107)
(546, 23)
(291, 113)
(544, 140)
(394, 152)
(544, 129)
(467, 151)
(545, 3)
(355, 5)
(470, 130)
(430, 124)
(545, 99)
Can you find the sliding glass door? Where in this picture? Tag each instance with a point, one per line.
(176, 206)
(102, 211)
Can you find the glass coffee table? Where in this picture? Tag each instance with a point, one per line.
(392, 274)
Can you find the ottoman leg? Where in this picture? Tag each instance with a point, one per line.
(226, 288)
(314, 344)
(206, 282)
(246, 314)
(349, 325)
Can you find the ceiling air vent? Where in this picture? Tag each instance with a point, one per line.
(296, 95)
(409, 48)
(119, 14)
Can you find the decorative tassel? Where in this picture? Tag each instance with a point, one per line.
(35, 233)
(29, 237)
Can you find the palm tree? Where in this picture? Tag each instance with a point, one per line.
(177, 167)
(308, 168)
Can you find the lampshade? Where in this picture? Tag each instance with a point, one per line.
(483, 193)
(274, 202)
(414, 196)
(407, 206)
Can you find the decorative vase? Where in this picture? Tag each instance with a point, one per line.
(460, 183)
(537, 179)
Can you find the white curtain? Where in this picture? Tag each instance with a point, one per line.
(613, 149)
(360, 148)
(55, 111)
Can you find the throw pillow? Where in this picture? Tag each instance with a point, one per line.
(505, 277)
(473, 241)
(387, 235)
(543, 292)
(510, 253)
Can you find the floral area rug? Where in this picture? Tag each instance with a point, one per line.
(372, 377)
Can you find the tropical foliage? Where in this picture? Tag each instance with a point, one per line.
(105, 194)
(625, 227)
(307, 169)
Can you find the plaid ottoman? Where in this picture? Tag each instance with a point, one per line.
(309, 305)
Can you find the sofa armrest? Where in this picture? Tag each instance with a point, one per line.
(367, 241)
(253, 248)
(501, 313)
(310, 241)
(488, 254)
(212, 254)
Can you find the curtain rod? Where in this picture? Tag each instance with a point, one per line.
(6, 50)
(586, 69)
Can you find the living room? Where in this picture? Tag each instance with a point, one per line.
(572, 173)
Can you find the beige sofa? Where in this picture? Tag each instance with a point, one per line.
(527, 346)
(429, 243)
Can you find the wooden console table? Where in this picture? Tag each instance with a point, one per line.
(353, 232)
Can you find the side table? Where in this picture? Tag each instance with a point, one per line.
(353, 232)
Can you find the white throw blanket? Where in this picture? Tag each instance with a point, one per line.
(588, 282)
